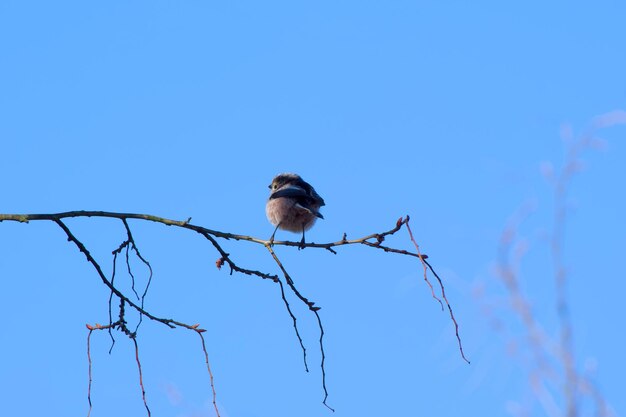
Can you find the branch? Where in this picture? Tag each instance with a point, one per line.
(366, 240)
(374, 240)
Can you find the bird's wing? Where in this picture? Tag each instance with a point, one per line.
(292, 191)
(308, 188)
(314, 212)
(301, 189)
(302, 197)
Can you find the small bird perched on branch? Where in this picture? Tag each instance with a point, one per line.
(293, 205)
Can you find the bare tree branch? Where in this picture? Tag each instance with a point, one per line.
(374, 240)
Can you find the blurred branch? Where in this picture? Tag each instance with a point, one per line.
(554, 376)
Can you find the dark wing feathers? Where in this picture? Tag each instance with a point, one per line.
(300, 190)
(304, 194)
(291, 191)
(310, 191)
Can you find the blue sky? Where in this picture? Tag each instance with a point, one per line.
(441, 110)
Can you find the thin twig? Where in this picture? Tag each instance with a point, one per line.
(295, 325)
(456, 325)
(143, 390)
(133, 245)
(443, 293)
(314, 309)
(111, 300)
(322, 363)
(424, 265)
(208, 367)
(91, 329)
(89, 362)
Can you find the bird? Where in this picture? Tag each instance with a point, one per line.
(293, 205)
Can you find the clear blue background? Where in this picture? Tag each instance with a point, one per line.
(443, 110)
